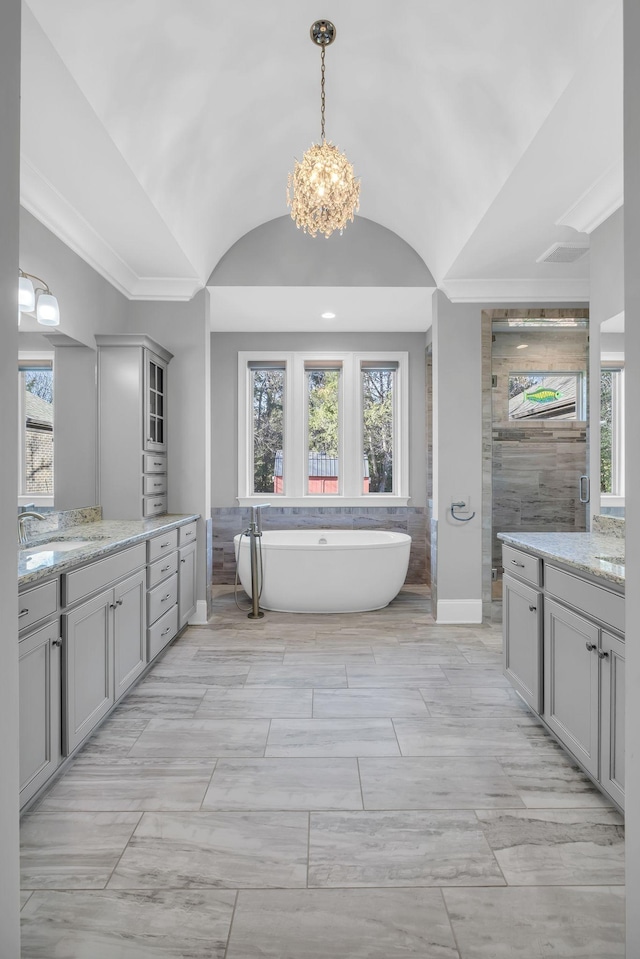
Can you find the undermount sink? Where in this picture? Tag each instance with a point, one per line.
(55, 546)
(619, 560)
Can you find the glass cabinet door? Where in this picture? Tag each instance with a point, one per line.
(155, 403)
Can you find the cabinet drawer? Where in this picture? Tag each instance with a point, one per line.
(601, 604)
(161, 545)
(154, 463)
(523, 565)
(89, 579)
(154, 505)
(155, 483)
(162, 598)
(187, 534)
(162, 632)
(34, 604)
(162, 569)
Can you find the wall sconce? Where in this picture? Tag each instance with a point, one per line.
(45, 305)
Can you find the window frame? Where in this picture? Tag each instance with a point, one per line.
(617, 496)
(31, 360)
(295, 443)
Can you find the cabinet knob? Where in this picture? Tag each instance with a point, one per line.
(112, 605)
(602, 654)
(532, 609)
(57, 642)
(119, 602)
(183, 561)
(590, 646)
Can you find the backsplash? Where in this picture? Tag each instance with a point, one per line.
(609, 525)
(63, 519)
(228, 521)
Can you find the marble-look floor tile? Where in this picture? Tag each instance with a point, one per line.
(201, 674)
(236, 658)
(202, 738)
(297, 676)
(460, 737)
(400, 849)
(256, 703)
(564, 847)
(552, 781)
(114, 738)
(131, 784)
(336, 656)
(284, 784)
(25, 896)
(436, 783)
(419, 655)
(114, 924)
(73, 850)
(151, 699)
(475, 676)
(462, 702)
(332, 737)
(212, 849)
(344, 923)
(538, 922)
(407, 676)
(378, 703)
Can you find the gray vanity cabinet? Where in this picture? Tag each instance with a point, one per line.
(88, 667)
(522, 639)
(612, 715)
(39, 684)
(132, 426)
(104, 653)
(571, 686)
(129, 626)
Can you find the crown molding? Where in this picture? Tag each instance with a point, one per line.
(598, 202)
(40, 198)
(516, 291)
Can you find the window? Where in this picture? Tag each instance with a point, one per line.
(612, 434)
(35, 433)
(330, 427)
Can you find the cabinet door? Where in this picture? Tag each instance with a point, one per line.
(186, 584)
(612, 715)
(522, 639)
(88, 667)
(39, 690)
(129, 631)
(155, 403)
(571, 688)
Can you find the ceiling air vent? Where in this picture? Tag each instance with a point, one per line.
(563, 253)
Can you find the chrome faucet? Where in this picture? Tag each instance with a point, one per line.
(256, 518)
(22, 533)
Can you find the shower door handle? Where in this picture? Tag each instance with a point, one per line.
(584, 489)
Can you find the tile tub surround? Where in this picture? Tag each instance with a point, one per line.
(103, 537)
(216, 816)
(229, 521)
(580, 551)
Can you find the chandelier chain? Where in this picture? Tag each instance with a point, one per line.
(322, 96)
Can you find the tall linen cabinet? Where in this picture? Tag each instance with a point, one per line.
(132, 426)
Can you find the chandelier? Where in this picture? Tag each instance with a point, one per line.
(322, 191)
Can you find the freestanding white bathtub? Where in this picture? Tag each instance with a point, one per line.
(327, 571)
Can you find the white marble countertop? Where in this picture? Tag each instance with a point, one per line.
(101, 538)
(598, 554)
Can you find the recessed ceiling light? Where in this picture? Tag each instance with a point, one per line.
(328, 316)
(522, 346)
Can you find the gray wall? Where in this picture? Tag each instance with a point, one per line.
(9, 193)
(75, 466)
(457, 452)
(632, 360)
(88, 303)
(224, 397)
(182, 328)
(367, 254)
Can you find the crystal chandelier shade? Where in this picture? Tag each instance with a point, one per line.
(322, 191)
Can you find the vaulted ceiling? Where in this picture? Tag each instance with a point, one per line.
(156, 134)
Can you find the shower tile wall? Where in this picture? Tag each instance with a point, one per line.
(536, 467)
(231, 520)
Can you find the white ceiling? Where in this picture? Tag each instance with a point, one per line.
(156, 134)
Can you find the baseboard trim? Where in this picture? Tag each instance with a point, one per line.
(199, 618)
(456, 611)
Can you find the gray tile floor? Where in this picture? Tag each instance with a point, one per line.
(324, 787)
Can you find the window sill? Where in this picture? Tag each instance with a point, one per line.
(607, 499)
(373, 499)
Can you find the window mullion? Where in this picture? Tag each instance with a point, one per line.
(351, 432)
(296, 435)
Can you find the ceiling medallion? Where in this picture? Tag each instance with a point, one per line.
(322, 191)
